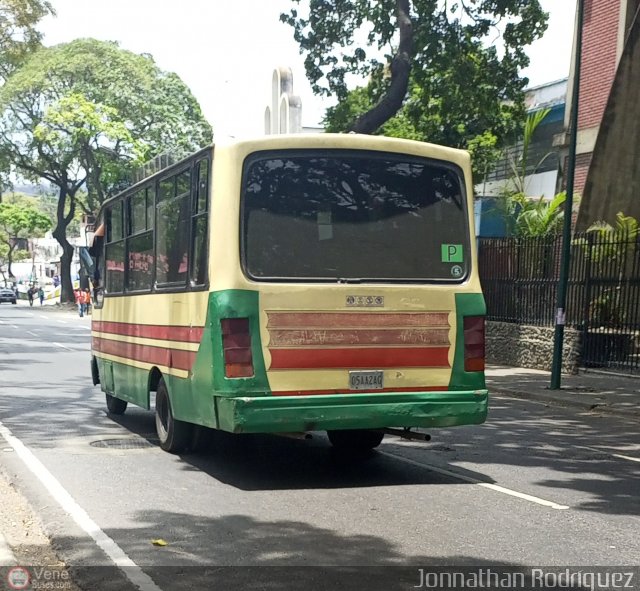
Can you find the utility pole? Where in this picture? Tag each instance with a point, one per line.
(558, 341)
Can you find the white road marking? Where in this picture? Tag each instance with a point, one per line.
(130, 569)
(43, 316)
(30, 314)
(626, 457)
(494, 487)
(63, 346)
(61, 321)
(35, 334)
(14, 326)
(606, 452)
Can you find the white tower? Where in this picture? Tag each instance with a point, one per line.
(285, 113)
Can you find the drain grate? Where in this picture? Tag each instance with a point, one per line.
(131, 443)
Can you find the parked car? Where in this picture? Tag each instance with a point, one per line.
(7, 295)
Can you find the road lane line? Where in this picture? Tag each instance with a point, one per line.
(130, 569)
(14, 326)
(63, 346)
(61, 321)
(494, 487)
(43, 316)
(626, 457)
(35, 334)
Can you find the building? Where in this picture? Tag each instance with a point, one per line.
(607, 170)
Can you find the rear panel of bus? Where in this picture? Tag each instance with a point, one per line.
(344, 292)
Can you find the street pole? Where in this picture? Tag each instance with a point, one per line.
(556, 365)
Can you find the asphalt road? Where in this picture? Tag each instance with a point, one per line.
(533, 486)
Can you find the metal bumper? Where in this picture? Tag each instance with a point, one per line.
(273, 414)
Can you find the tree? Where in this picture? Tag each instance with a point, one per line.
(450, 71)
(18, 38)
(85, 114)
(18, 35)
(19, 221)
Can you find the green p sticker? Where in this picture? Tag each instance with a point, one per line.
(452, 253)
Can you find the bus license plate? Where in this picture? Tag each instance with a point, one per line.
(366, 380)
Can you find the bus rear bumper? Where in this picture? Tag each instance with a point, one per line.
(274, 414)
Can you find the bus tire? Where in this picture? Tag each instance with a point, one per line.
(175, 436)
(355, 440)
(115, 406)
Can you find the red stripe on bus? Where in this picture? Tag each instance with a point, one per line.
(359, 320)
(347, 392)
(354, 336)
(373, 358)
(185, 334)
(174, 358)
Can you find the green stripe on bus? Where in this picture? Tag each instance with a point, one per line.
(467, 304)
(237, 303)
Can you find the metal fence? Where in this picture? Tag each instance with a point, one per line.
(520, 279)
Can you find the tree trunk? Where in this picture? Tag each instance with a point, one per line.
(60, 234)
(10, 260)
(392, 101)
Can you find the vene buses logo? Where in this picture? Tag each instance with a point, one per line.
(18, 578)
(365, 301)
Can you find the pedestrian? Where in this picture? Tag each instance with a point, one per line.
(87, 301)
(79, 300)
(41, 295)
(30, 295)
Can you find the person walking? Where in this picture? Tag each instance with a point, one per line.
(80, 301)
(30, 295)
(87, 301)
(41, 296)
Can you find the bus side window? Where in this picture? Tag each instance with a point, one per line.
(199, 225)
(172, 230)
(114, 252)
(140, 257)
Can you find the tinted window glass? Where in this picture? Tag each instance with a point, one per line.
(349, 215)
(183, 183)
(114, 222)
(167, 189)
(172, 236)
(199, 256)
(115, 267)
(203, 186)
(151, 206)
(137, 212)
(140, 249)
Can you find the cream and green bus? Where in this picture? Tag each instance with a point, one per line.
(291, 284)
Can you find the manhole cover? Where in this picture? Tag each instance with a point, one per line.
(137, 443)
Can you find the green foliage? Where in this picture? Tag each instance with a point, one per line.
(86, 113)
(463, 91)
(610, 247)
(90, 110)
(20, 220)
(541, 217)
(18, 35)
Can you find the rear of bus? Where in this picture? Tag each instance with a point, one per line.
(344, 288)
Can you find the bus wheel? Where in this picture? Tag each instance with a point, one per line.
(355, 440)
(115, 406)
(175, 436)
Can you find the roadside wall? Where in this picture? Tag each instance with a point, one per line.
(530, 346)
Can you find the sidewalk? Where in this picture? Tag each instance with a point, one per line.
(587, 391)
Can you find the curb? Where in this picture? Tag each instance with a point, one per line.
(7, 557)
(568, 402)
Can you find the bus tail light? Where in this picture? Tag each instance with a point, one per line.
(236, 345)
(474, 343)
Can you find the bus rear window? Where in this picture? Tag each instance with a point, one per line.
(336, 215)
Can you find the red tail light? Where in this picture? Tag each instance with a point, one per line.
(474, 343)
(236, 344)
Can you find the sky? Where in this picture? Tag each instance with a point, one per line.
(226, 51)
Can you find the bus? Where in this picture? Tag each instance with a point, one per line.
(291, 284)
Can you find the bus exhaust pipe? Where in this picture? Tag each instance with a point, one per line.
(408, 434)
(302, 436)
